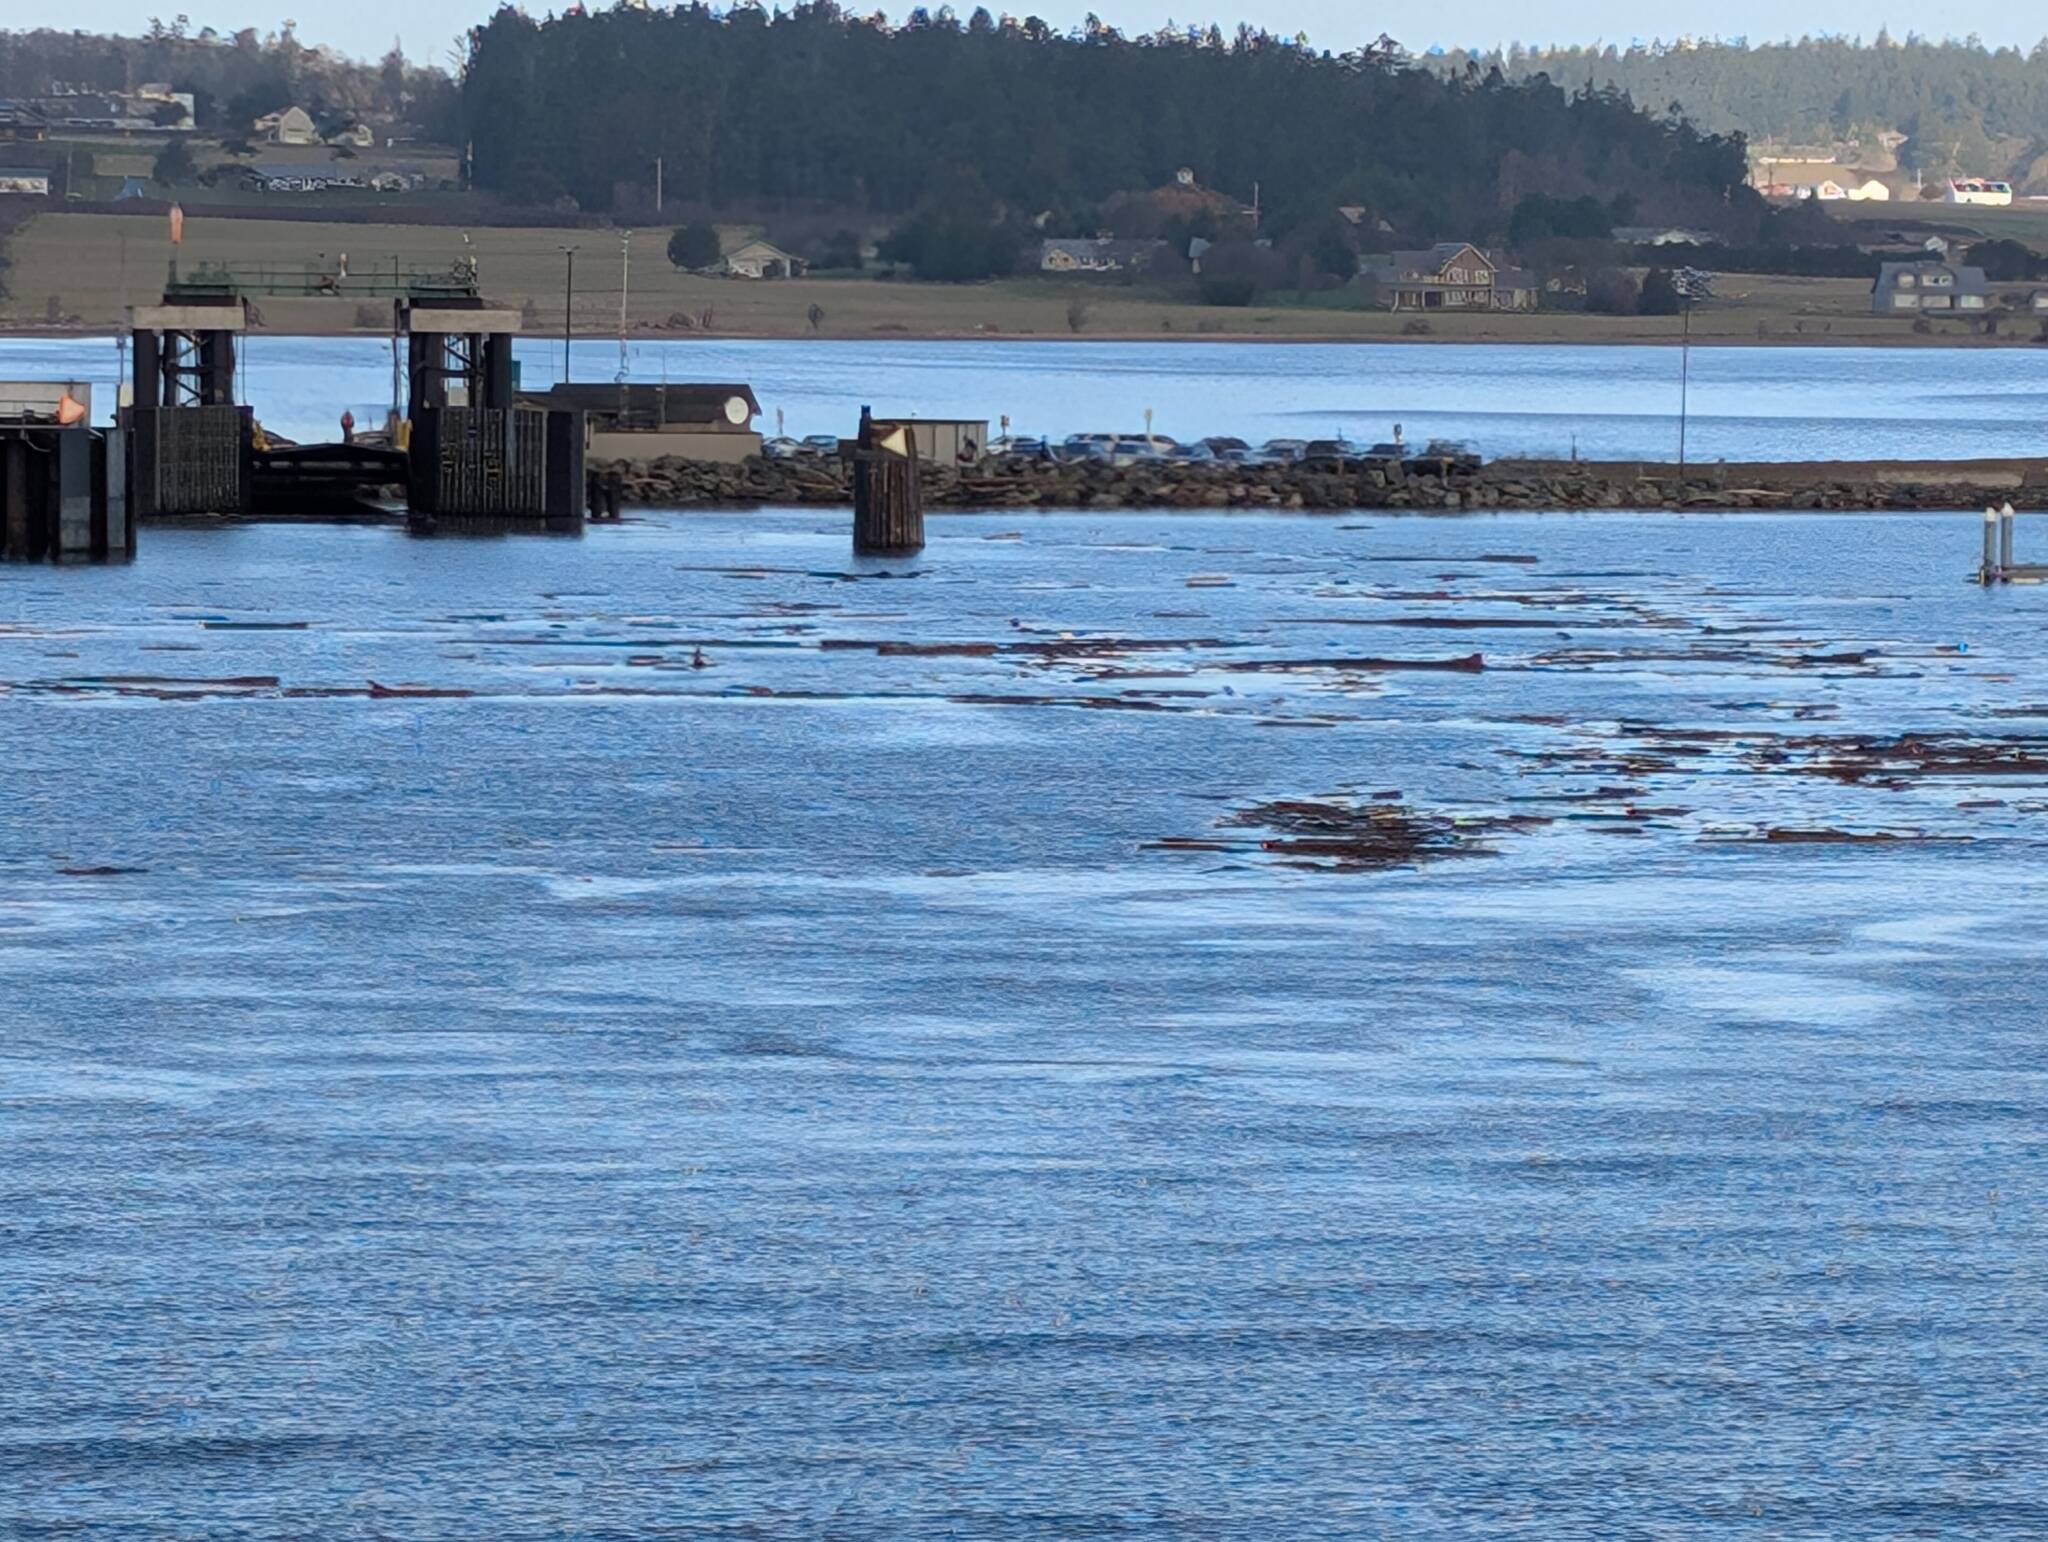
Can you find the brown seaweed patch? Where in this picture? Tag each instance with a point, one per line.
(1337, 834)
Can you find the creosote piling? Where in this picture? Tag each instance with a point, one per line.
(888, 499)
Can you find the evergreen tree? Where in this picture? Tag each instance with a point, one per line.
(694, 246)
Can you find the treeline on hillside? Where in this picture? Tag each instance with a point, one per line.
(1962, 106)
(234, 79)
(986, 121)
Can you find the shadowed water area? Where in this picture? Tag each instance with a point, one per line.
(1128, 1025)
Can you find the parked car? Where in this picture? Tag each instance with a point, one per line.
(1193, 452)
(1284, 449)
(1337, 454)
(1222, 444)
(1440, 457)
(782, 448)
(1087, 446)
(1386, 453)
(819, 444)
(1130, 449)
(1019, 444)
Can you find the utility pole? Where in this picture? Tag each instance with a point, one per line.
(625, 278)
(568, 308)
(1684, 373)
(657, 184)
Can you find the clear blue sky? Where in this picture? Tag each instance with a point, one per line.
(428, 27)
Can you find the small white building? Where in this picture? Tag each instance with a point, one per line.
(1097, 254)
(24, 182)
(944, 441)
(292, 126)
(1977, 190)
(761, 259)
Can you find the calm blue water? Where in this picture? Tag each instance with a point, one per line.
(1744, 403)
(784, 1098)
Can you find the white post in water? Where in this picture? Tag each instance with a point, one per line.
(1987, 570)
(2005, 524)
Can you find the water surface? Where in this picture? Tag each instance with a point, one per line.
(797, 1096)
(1765, 403)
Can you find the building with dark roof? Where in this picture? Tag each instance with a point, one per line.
(1915, 288)
(1454, 276)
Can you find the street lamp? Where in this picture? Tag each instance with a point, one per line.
(568, 306)
(1691, 285)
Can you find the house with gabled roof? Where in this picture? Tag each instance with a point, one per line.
(1454, 276)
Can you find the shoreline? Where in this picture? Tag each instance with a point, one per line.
(113, 333)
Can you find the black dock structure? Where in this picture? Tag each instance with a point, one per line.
(473, 452)
(191, 448)
(63, 483)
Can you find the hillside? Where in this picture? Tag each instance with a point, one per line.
(1961, 107)
(1006, 120)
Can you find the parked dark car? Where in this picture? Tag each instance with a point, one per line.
(1330, 454)
(1443, 457)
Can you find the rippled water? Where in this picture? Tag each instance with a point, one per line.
(1766, 403)
(798, 1095)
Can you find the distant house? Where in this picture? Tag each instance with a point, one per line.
(79, 110)
(1870, 190)
(1911, 288)
(151, 99)
(357, 136)
(292, 126)
(21, 124)
(1098, 254)
(1454, 276)
(1978, 191)
(315, 178)
(24, 182)
(761, 259)
(1661, 235)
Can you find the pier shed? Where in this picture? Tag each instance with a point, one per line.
(645, 422)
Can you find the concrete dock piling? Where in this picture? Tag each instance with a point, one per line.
(1997, 565)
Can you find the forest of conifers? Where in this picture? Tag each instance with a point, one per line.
(817, 107)
(1961, 106)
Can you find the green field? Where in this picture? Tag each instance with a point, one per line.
(84, 270)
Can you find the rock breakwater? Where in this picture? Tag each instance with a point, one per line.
(671, 482)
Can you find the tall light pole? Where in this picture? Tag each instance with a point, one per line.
(1684, 370)
(568, 307)
(625, 281)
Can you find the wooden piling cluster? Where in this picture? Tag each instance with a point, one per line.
(63, 495)
(888, 500)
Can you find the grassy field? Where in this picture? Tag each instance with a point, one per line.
(2026, 221)
(85, 269)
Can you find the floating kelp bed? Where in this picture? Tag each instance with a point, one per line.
(1340, 835)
